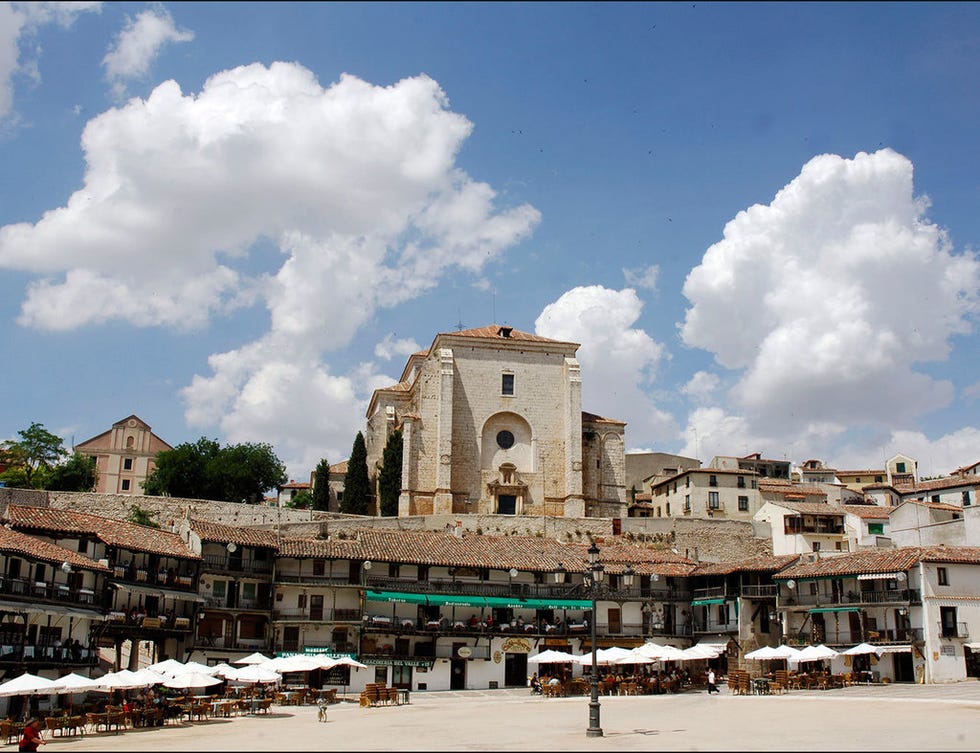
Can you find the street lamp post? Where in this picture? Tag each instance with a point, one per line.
(595, 572)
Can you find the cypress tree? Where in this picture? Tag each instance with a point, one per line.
(357, 487)
(390, 475)
(321, 486)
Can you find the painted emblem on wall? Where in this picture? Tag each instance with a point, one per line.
(516, 646)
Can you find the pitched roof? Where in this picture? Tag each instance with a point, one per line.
(482, 551)
(20, 543)
(113, 532)
(241, 535)
(763, 564)
(494, 332)
(948, 482)
(931, 505)
(868, 511)
(964, 555)
(776, 487)
(593, 418)
(867, 561)
(809, 508)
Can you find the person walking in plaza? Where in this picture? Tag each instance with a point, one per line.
(30, 738)
(712, 687)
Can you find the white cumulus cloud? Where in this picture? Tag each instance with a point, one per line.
(138, 45)
(618, 360)
(391, 346)
(823, 303)
(644, 278)
(354, 185)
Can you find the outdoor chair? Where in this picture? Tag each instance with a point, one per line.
(53, 725)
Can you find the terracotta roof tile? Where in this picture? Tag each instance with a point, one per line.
(113, 532)
(868, 511)
(492, 331)
(241, 535)
(809, 508)
(966, 555)
(38, 549)
(950, 482)
(475, 550)
(855, 563)
(763, 564)
(932, 505)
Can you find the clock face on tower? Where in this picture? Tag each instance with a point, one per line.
(505, 440)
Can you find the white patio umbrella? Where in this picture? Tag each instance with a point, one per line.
(193, 666)
(253, 673)
(28, 684)
(763, 654)
(786, 652)
(861, 648)
(220, 670)
(256, 658)
(816, 653)
(124, 679)
(604, 656)
(348, 661)
(191, 680)
(74, 683)
(151, 677)
(553, 657)
(693, 653)
(167, 667)
(671, 653)
(636, 657)
(649, 649)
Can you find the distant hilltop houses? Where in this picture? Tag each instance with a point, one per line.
(509, 489)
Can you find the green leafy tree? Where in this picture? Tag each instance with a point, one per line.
(37, 451)
(390, 475)
(183, 471)
(77, 474)
(142, 517)
(244, 472)
(357, 487)
(321, 486)
(302, 501)
(204, 470)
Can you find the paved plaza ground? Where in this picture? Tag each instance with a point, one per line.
(862, 718)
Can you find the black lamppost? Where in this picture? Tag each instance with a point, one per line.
(595, 574)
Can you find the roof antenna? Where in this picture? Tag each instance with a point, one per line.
(493, 299)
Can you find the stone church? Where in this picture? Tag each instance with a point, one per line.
(492, 423)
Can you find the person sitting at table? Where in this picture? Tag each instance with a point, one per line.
(473, 621)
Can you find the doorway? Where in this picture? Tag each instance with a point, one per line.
(457, 676)
(515, 670)
(903, 667)
(506, 504)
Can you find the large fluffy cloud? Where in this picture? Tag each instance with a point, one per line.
(354, 184)
(618, 360)
(824, 301)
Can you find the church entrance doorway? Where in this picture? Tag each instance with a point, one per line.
(506, 504)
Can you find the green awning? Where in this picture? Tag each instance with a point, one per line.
(706, 602)
(395, 596)
(479, 602)
(818, 610)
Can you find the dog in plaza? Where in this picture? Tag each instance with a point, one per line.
(321, 714)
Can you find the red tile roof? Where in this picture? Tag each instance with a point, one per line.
(241, 535)
(113, 532)
(950, 482)
(16, 542)
(497, 552)
(809, 508)
(855, 563)
(492, 332)
(763, 564)
(868, 511)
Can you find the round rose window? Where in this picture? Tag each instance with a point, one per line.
(505, 439)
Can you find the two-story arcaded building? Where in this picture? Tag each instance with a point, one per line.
(492, 423)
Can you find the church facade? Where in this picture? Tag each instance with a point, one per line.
(492, 423)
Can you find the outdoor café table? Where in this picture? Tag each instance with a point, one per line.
(221, 708)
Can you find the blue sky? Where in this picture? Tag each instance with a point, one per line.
(235, 220)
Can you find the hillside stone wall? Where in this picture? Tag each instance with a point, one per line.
(704, 540)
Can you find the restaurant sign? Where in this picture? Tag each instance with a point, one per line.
(384, 661)
(516, 646)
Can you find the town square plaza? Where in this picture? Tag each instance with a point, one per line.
(859, 718)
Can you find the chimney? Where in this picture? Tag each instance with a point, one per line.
(505, 331)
